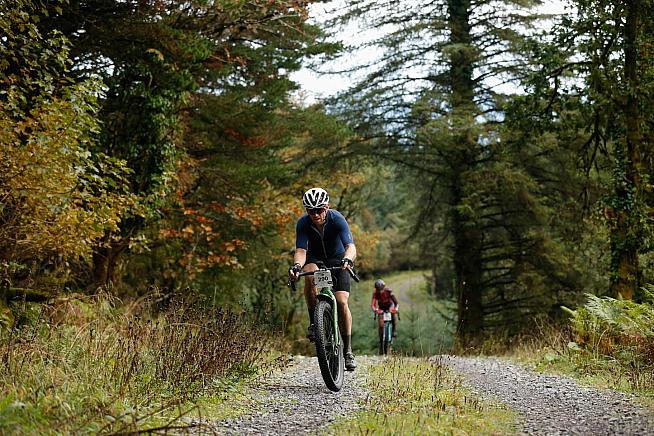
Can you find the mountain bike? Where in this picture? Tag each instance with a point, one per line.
(329, 344)
(387, 331)
(386, 339)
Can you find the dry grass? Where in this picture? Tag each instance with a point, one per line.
(92, 364)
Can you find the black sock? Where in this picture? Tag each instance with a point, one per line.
(347, 343)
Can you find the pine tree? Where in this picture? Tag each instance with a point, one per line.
(433, 102)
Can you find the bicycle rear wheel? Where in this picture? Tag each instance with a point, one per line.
(330, 355)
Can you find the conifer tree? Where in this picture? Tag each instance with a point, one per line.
(434, 101)
(595, 93)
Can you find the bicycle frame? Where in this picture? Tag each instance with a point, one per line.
(386, 338)
(327, 295)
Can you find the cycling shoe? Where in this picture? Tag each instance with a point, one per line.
(350, 364)
(311, 334)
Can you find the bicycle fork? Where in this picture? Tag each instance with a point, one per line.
(331, 300)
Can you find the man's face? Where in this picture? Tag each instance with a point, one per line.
(318, 215)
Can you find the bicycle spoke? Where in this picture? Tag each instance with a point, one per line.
(329, 353)
(332, 355)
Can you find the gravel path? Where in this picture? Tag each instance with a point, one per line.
(296, 401)
(553, 405)
(402, 286)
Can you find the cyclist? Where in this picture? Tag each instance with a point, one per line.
(322, 234)
(383, 299)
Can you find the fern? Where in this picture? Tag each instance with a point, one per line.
(621, 329)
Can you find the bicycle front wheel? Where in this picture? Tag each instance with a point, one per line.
(330, 355)
(387, 336)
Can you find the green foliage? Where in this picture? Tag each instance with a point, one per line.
(608, 329)
(56, 199)
(96, 365)
(193, 93)
(595, 94)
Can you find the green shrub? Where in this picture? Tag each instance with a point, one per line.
(93, 364)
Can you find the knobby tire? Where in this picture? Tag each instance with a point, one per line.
(330, 357)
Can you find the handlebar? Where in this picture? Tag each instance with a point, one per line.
(291, 282)
(375, 314)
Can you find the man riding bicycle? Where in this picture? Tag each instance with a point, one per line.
(382, 300)
(323, 235)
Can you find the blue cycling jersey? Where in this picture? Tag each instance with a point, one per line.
(326, 245)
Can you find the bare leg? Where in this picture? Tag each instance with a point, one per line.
(380, 324)
(393, 321)
(344, 317)
(309, 290)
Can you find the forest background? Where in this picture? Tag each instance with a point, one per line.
(163, 145)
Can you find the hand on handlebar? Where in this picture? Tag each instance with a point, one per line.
(346, 263)
(393, 310)
(294, 271)
(380, 312)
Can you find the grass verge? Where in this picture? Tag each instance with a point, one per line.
(95, 365)
(421, 396)
(556, 349)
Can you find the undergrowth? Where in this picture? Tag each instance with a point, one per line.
(608, 343)
(92, 364)
(615, 336)
(421, 396)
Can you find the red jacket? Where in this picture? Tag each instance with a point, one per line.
(385, 299)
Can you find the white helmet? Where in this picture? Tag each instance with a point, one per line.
(315, 198)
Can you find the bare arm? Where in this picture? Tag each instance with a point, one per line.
(350, 252)
(300, 256)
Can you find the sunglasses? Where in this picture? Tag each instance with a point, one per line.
(316, 211)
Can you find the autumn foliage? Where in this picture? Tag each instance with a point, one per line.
(56, 198)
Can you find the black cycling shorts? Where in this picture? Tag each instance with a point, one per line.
(341, 278)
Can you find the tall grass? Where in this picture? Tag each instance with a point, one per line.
(92, 364)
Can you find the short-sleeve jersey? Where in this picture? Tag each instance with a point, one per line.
(330, 243)
(384, 297)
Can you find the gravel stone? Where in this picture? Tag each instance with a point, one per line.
(553, 405)
(296, 401)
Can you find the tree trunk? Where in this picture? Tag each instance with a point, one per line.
(467, 264)
(467, 237)
(105, 265)
(626, 239)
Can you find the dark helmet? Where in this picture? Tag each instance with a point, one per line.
(379, 284)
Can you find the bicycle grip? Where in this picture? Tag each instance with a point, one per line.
(291, 284)
(353, 275)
